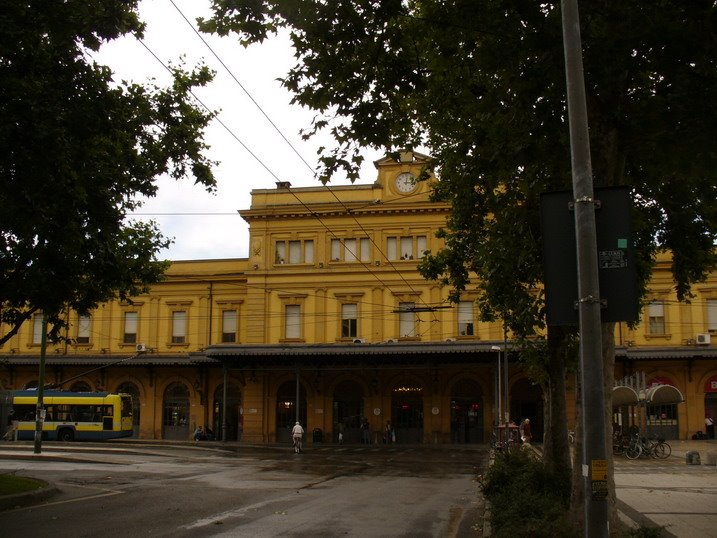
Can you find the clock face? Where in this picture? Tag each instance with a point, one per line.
(405, 182)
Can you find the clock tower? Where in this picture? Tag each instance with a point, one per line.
(399, 177)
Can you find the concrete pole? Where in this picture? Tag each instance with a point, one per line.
(225, 368)
(505, 388)
(594, 457)
(39, 409)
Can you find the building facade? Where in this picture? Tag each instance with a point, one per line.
(328, 321)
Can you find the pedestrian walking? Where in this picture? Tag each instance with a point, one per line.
(365, 434)
(524, 429)
(341, 433)
(388, 435)
(710, 427)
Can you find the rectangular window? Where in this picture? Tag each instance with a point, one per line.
(392, 249)
(294, 252)
(83, 329)
(656, 315)
(406, 248)
(292, 321)
(37, 329)
(179, 327)
(229, 326)
(280, 253)
(350, 252)
(465, 318)
(712, 315)
(335, 250)
(365, 249)
(406, 320)
(421, 246)
(349, 320)
(309, 251)
(130, 328)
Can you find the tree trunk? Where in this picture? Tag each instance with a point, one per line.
(608, 356)
(556, 452)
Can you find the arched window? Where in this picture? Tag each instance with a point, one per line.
(80, 386)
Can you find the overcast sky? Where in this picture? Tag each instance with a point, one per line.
(218, 231)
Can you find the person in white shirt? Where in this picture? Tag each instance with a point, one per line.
(710, 427)
(297, 433)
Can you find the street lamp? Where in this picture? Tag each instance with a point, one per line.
(499, 386)
(502, 392)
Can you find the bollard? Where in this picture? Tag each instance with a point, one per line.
(711, 458)
(692, 458)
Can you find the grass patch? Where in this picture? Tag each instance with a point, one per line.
(11, 484)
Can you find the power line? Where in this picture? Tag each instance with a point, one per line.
(232, 133)
(231, 74)
(313, 213)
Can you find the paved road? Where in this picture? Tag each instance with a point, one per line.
(188, 490)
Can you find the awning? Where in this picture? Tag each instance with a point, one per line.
(623, 395)
(663, 394)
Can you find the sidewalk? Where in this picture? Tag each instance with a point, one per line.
(669, 493)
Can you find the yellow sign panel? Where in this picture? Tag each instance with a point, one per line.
(599, 469)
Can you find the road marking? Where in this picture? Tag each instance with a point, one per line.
(105, 493)
(234, 513)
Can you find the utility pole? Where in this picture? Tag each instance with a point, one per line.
(594, 457)
(39, 408)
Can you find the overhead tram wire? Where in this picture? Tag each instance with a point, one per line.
(313, 213)
(216, 118)
(231, 74)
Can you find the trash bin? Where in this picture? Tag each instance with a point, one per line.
(318, 435)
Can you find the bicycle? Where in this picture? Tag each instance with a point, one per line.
(660, 449)
(297, 445)
(634, 448)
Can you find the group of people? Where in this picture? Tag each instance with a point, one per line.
(203, 434)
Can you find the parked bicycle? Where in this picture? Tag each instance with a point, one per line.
(642, 446)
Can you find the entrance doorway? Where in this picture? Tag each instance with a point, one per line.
(130, 388)
(711, 407)
(526, 401)
(176, 412)
(348, 411)
(286, 411)
(234, 418)
(407, 414)
(466, 412)
(661, 421)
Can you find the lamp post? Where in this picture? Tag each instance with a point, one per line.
(499, 387)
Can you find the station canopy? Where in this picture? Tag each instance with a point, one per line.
(622, 395)
(655, 395)
(663, 394)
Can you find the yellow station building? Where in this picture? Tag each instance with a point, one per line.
(329, 320)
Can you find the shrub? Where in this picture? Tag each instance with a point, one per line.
(526, 500)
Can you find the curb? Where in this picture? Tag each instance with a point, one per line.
(18, 500)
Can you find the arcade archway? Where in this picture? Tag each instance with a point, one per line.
(176, 412)
(466, 412)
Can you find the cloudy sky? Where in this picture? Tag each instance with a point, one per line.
(205, 225)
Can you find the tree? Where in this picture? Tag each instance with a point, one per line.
(78, 150)
(482, 86)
